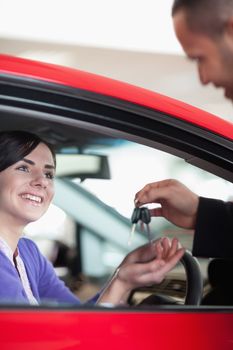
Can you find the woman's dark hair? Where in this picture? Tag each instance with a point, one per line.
(15, 145)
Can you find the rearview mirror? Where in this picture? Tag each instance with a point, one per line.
(83, 166)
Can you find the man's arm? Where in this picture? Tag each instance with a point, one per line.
(211, 219)
(214, 229)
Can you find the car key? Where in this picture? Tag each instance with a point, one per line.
(136, 216)
(143, 215)
(146, 218)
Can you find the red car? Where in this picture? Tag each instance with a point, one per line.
(111, 139)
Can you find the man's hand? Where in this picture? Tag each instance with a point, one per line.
(178, 204)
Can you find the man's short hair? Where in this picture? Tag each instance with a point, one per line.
(205, 16)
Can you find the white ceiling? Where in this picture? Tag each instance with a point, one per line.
(124, 24)
(128, 40)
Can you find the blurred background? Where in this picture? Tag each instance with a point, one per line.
(129, 40)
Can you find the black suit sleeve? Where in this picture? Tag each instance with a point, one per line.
(214, 229)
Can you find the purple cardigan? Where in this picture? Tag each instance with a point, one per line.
(45, 285)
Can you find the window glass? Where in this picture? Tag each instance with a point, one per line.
(97, 228)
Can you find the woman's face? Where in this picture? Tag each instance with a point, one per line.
(27, 188)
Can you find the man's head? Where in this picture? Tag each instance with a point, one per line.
(205, 31)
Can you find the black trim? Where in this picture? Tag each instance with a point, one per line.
(90, 308)
(117, 114)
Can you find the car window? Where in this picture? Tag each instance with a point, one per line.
(92, 217)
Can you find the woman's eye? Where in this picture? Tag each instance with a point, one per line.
(23, 168)
(49, 175)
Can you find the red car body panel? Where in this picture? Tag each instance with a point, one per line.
(115, 330)
(109, 87)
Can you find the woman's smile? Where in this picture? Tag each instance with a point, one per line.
(32, 198)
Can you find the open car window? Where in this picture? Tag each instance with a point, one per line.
(91, 212)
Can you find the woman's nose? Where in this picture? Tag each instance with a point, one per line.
(39, 180)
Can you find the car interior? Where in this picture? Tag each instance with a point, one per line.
(85, 233)
(93, 206)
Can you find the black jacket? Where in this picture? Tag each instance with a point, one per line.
(214, 229)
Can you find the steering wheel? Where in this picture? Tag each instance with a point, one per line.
(194, 284)
(194, 279)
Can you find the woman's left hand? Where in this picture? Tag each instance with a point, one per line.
(145, 265)
(150, 263)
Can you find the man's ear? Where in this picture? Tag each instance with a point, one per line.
(228, 33)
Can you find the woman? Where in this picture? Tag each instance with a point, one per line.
(27, 170)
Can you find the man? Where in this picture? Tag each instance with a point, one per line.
(205, 30)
